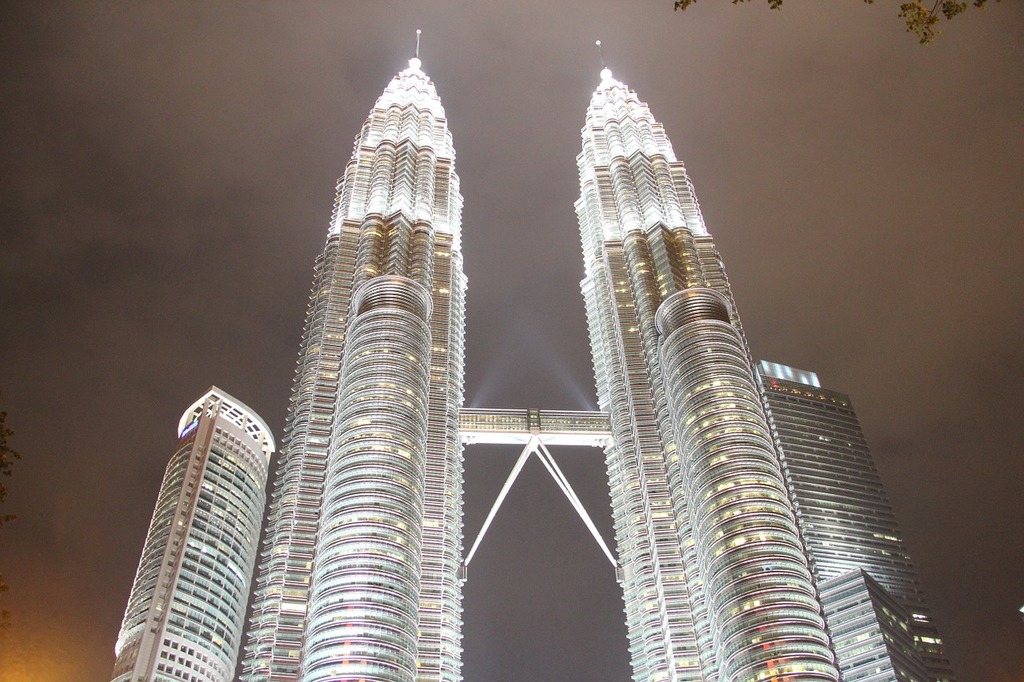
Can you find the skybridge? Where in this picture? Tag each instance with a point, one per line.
(535, 429)
(516, 427)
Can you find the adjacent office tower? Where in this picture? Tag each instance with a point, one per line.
(874, 606)
(715, 581)
(359, 573)
(186, 609)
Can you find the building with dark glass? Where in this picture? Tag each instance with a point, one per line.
(881, 627)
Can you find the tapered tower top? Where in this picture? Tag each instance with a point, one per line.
(404, 159)
(646, 185)
(412, 86)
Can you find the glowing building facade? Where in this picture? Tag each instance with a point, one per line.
(874, 606)
(359, 573)
(715, 580)
(187, 605)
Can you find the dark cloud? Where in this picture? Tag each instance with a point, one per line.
(167, 177)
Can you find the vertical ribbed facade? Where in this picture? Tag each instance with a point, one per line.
(359, 571)
(715, 582)
(187, 606)
(881, 626)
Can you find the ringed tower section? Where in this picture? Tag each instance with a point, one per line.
(715, 582)
(359, 572)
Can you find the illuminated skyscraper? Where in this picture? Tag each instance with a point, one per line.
(359, 574)
(874, 606)
(714, 576)
(186, 610)
(361, 570)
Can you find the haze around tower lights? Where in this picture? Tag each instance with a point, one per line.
(168, 176)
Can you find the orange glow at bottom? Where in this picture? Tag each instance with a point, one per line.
(49, 654)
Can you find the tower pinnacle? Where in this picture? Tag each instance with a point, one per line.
(606, 73)
(415, 62)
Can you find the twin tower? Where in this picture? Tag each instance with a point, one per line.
(361, 569)
(360, 574)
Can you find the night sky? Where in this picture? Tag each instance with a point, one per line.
(168, 174)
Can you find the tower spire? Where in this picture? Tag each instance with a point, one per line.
(606, 73)
(415, 62)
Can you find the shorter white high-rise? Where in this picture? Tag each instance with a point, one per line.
(187, 605)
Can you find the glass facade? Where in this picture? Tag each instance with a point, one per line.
(875, 608)
(185, 614)
(359, 573)
(715, 582)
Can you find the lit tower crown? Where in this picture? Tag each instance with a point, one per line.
(359, 573)
(403, 159)
(715, 581)
(651, 187)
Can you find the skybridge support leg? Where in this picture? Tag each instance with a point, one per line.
(536, 446)
(531, 447)
(570, 494)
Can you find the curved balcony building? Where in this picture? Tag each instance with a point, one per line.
(714, 577)
(359, 575)
(187, 606)
(359, 571)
